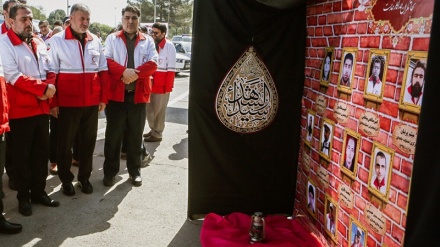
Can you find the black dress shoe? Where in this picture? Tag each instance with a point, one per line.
(152, 139)
(85, 186)
(46, 201)
(68, 189)
(136, 180)
(25, 208)
(108, 181)
(8, 227)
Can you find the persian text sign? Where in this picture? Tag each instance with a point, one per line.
(342, 112)
(375, 219)
(404, 138)
(369, 123)
(346, 195)
(399, 12)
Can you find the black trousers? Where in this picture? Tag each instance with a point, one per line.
(73, 121)
(53, 136)
(28, 145)
(123, 117)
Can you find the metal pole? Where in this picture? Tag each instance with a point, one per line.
(154, 17)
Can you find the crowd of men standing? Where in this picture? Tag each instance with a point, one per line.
(68, 75)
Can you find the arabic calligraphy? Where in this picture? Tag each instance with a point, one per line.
(404, 138)
(247, 100)
(321, 104)
(369, 123)
(401, 6)
(375, 219)
(346, 195)
(342, 112)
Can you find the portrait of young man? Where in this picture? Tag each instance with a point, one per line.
(347, 70)
(374, 84)
(311, 198)
(357, 234)
(326, 136)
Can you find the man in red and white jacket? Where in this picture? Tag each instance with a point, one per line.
(131, 60)
(6, 6)
(5, 226)
(82, 86)
(26, 63)
(163, 83)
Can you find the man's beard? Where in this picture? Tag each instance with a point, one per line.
(24, 35)
(416, 90)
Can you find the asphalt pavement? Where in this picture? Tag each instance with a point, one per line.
(154, 214)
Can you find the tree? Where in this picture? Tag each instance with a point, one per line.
(56, 15)
(177, 13)
(37, 13)
(104, 29)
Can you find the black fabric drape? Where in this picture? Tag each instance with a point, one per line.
(423, 219)
(231, 172)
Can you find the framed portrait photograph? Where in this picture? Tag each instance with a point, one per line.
(380, 171)
(347, 69)
(311, 198)
(358, 235)
(310, 127)
(376, 75)
(326, 138)
(331, 217)
(411, 94)
(350, 151)
(327, 66)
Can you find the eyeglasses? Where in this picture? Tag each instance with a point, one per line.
(155, 33)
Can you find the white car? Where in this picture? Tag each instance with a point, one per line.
(183, 63)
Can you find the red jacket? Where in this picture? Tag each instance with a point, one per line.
(163, 78)
(144, 56)
(82, 76)
(4, 107)
(26, 75)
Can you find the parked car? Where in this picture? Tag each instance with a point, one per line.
(184, 37)
(183, 47)
(183, 63)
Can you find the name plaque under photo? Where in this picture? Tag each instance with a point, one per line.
(404, 138)
(323, 176)
(375, 219)
(342, 112)
(346, 196)
(321, 104)
(369, 123)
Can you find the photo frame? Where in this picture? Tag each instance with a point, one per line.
(311, 195)
(358, 234)
(331, 217)
(381, 166)
(310, 126)
(414, 75)
(326, 138)
(375, 78)
(347, 70)
(350, 151)
(327, 66)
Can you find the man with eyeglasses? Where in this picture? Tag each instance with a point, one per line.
(131, 58)
(45, 31)
(163, 83)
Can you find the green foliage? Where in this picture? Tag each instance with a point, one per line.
(102, 28)
(56, 15)
(177, 13)
(37, 13)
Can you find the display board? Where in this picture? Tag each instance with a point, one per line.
(366, 112)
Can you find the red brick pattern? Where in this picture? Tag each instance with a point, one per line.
(340, 24)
